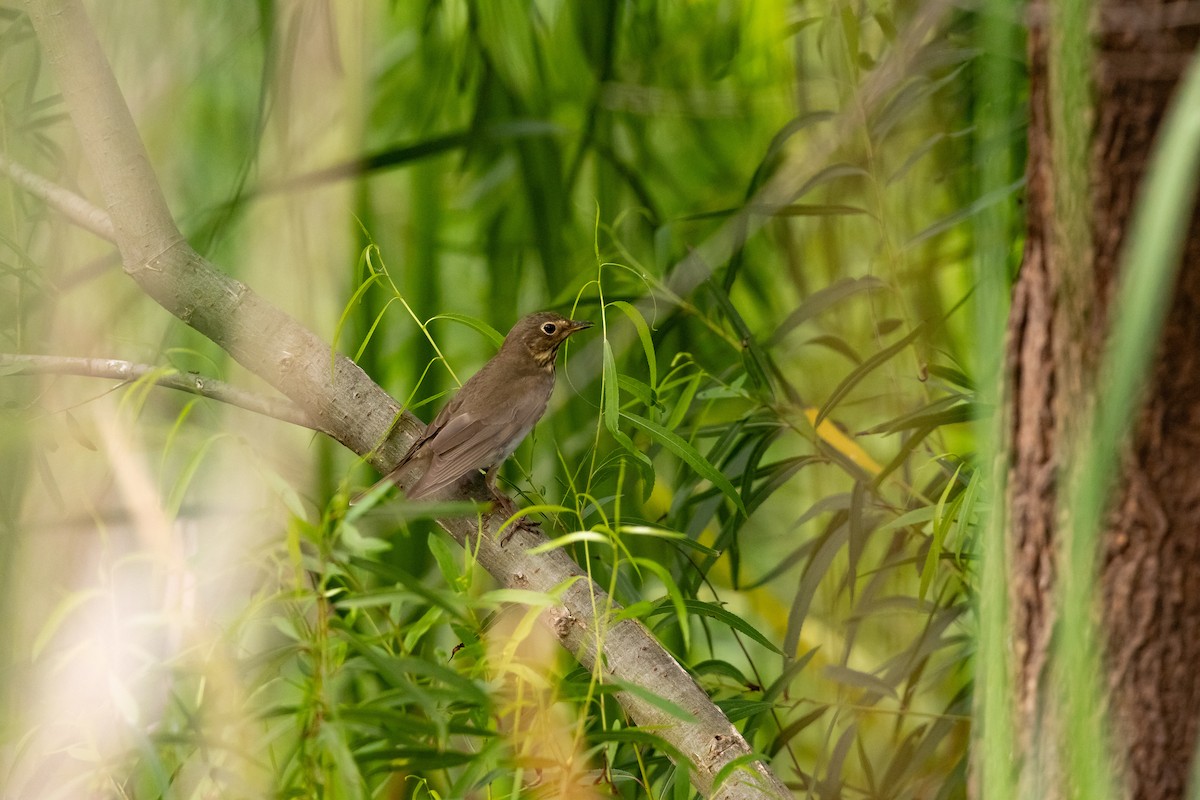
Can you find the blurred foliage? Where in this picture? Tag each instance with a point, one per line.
(777, 462)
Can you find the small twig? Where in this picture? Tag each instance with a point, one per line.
(70, 205)
(126, 371)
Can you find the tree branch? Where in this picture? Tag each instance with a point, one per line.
(346, 404)
(70, 205)
(279, 408)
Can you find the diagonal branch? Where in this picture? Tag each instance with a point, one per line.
(76, 209)
(344, 403)
(127, 371)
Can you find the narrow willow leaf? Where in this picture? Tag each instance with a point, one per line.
(77, 432)
(686, 395)
(906, 449)
(611, 393)
(745, 763)
(838, 345)
(376, 277)
(643, 331)
(357, 544)
(718, 613)
(525, 597)
(737, 709)
(473, 323)
(952, 375)
(941, 523)
(283, 489)
(833, 436)
(644, 394)
(830, 543)
(916, 155)
(723, 669)
(916, 517)
(868, 366)
(860, 680)
(362, 347)
(943, 411)
(423, 758)
(758, 364)
(611, 414)
(960, 216)
(689, 455)
(861, 526)
(180, 488)
(794, 668)
(833, 771)
(559, 542)
(639, 736)
(786, 563)
(774, 476)
(386, 597)
(820, 210)
(680, 540)
(673, 593)
(661, 703)
(450, 601)
(832, 173)
(790, 731)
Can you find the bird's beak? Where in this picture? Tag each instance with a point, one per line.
(579, 325)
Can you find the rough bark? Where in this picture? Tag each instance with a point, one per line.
(1151, 621)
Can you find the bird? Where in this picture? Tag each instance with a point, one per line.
(481, 426)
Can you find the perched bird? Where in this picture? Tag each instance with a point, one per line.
(494, 410)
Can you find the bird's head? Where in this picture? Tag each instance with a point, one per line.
(542, 334)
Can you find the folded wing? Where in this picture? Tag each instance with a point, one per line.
(470, 441)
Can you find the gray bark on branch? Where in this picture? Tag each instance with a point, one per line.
(279, 408)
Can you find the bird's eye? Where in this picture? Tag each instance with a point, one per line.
(549, 328)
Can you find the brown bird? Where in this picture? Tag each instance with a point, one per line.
(494, 410)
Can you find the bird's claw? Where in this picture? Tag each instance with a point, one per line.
(521, 523)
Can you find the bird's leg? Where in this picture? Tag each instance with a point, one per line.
(505, 505)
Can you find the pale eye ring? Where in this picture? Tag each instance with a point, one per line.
(549, 328)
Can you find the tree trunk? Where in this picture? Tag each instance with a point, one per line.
(1151, 617)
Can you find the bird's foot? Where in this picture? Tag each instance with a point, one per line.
(520, 524)
(506, 507)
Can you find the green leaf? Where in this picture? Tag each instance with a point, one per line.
(645, 395)
(360, 545)
(737, 709)
(643, 331)
(386, 597)
(673, 593)
(941, 523)
(639, 736)
(611, 411)
(860, 680)
(688, 393)
(820, 210)
(868, 366)
(688, 455)
(943, 411)
(610, 398)
(681, 539)
(569, 539)
(179, 489)
(718, 613)
(832, 173)
(479, 325)
(661, 703)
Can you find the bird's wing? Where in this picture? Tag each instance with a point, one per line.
(471, 441)
(466, 443)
